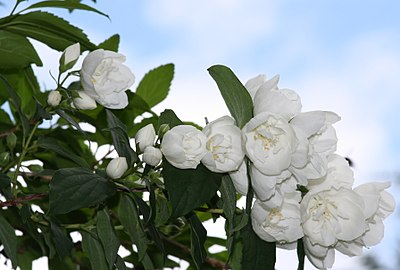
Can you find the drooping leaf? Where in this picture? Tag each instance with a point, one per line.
(236, 97)
(190, 188)
(75, 188)
(62, 242)
(198, 238)
(16, 51)
(9, 240)
(257, 254)
(120, 138)
(65, 4)
(155, 85)
(45, 27)
(111, 44)
(93, 248)
(107, 237)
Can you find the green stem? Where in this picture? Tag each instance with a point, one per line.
(15, 7)
(25, 147)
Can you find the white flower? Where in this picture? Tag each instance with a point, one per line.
(184, 146)
(320, 256)
(224, 145)
(71, 54)
(255, 83)
(54, 98)
(240, 179)
(117, 167)
(316, 127)
(84, 102)
(278, 224)
(145, 137)
(269, 143)
(105, 78)
(152, 155)
(269, 98)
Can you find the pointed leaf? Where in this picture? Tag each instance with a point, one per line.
(237, 98)
(155, 85)
(9, 240)
(62, 242)
(93, 248)
(111, 44)
(75, 188)
(169, 117)
(198, 239)
(107, 237)
(67, 5)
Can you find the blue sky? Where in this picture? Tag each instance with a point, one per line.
(342, 56)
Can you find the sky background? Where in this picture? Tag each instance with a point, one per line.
(342, 56)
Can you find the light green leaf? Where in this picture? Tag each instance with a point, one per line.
(120, 138)
(190, 188)
(16, 51)
(45, 27)
(9, 240)
(67, 5)
(236, 97)
(155, 85)
(111, 44)
(198, 238)
(107, 237)
(93, 248)
(75, 188)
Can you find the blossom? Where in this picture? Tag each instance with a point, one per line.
(255, 83)
(117, 167)
(152, 155)
(184, 146)
(70, 55)
(278, 223)
(145, 137)
(105, 78)
(269, 143)
(84, 102)
(224, 145)
(54, 98)
(240, 179)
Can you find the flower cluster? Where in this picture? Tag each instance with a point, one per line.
(302, 188)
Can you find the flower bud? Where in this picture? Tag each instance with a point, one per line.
(69, 57)
(54, 98)
(11, 141)
(152, 155)
(163, 129)
(145, 137)
(4, 158)
(117, 167)
(84, 102)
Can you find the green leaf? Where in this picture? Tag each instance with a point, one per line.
(69, 119)
(67, 5)
(107, 237)
(111, 44)
(93, 248)
(75, 188)
(190, 188)
(120, 264)
(120, 138)
(45, 27)
(300, 254)
(129, 217)
(5, 181)
(61, 241)
(155, 85)
(16, 51)
(197, 240)
(169, 117)
(257, 254)
(236, 97)
(9, 240)
(53, 145)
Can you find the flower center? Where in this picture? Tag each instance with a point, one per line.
(323, 209)
(220, 146)
(267, 135)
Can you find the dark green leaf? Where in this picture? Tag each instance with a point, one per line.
(120, 138)
(257, 254)
(107, 237)
(16, 51)
(169, 117)
(93, 248)
(45, 27)
(155, 85)
(120, 264)
(67, 5)
(9, 240)
(61, 241)
(237, 98)
(5, 181)
(111, 44)
(129, 217)
(190, 188)
(300, 254)
(75, 188)
(53, 145)
(198, 238)
(69, 119)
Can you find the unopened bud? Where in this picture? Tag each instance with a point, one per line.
(11, 141)
(84, 102)
(164, 128)
(152, 155)
(4, 158)
(145, 137)
(54, 98)
(117, 167)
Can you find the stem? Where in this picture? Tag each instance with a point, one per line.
(15, 7)
(25, 146)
